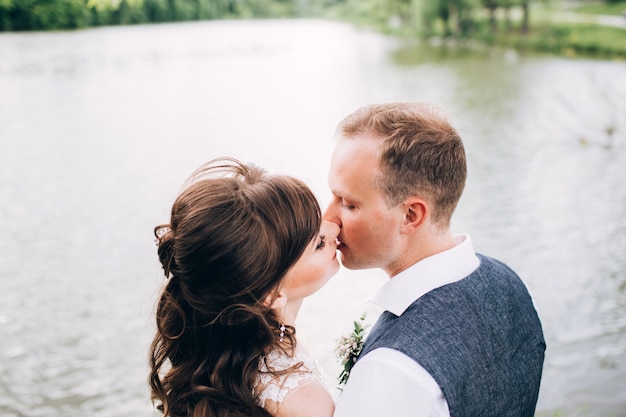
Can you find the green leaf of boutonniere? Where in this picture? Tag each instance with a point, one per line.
(348, 347)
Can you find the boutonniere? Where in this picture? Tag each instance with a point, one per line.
(348, 347)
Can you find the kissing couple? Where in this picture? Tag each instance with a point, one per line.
(459, 335)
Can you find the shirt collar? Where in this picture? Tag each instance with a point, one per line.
(446, 267)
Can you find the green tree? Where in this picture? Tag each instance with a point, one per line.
(453, 16)
(492, 6)
(44, 14)
(156, 11)
(525, 16)
(128, 12)
(5, 18)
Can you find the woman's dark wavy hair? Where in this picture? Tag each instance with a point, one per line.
(234, 233)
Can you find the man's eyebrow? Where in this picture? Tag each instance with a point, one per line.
(334, 191)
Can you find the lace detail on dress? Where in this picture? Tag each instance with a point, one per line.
(276, 387)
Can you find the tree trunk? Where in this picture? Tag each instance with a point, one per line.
(507, 16)
(444, 13)
(493, 24)
(492, 6)
(525, 16)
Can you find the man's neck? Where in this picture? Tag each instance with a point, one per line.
(421, 247)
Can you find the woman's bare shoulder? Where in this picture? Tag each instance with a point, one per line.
(309, 400)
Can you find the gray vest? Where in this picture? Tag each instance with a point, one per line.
(480, 338)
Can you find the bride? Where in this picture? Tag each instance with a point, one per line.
(241, 252)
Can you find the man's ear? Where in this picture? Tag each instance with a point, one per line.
(415, 213)
(279, 301)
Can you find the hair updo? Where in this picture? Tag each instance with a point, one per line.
(234, 233)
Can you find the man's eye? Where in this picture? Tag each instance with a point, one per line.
(346, 205)
(321, 243)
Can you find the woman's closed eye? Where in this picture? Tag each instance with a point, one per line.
(322, 243)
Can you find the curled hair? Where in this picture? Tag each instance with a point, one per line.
(234, 233)
(421, 153)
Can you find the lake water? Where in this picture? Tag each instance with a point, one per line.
(100, 127)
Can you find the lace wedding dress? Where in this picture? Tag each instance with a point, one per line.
(271, 390)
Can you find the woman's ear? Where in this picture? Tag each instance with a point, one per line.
(277, 301)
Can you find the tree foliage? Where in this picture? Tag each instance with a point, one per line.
(42, 14)
(448, 18)
(70, 14)
(458, 18)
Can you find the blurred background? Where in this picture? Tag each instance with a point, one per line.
(103, 116)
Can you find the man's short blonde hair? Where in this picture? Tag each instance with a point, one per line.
(421, 154)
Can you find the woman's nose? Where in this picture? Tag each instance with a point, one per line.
(332, 229)
(331, 214)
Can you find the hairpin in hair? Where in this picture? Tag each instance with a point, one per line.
(159, 232)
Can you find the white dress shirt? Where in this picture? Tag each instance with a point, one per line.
(386, 382)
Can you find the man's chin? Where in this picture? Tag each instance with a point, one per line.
(346, 262)
(349, 263)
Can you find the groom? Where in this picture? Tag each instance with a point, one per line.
(459, 335)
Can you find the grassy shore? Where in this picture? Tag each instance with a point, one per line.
(602, 8)
(570, 39)
(593, 30)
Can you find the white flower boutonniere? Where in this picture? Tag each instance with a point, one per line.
(348, 347)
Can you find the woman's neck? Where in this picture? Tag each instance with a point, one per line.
(290, 312)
